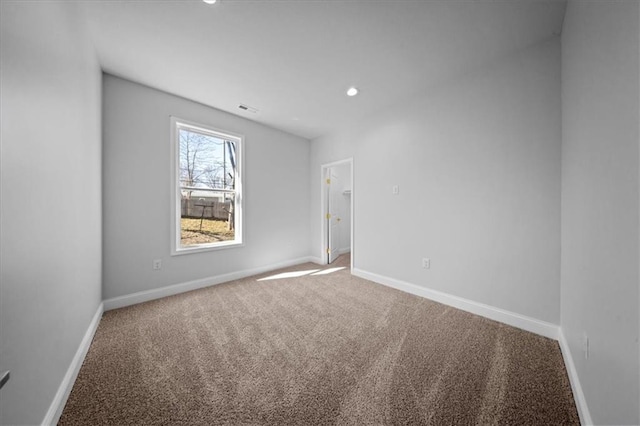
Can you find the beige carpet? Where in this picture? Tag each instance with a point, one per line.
(316, 349)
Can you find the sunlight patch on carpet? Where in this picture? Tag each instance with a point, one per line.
(328, 271)
(293, 274)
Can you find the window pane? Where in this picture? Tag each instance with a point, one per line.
(207, 209)
(206, 217)
(206, 161)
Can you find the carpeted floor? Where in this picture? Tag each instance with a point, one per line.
(314, 349)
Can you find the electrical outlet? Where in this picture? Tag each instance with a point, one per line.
(157, 264)
(395, 189)
(426, 263)
(585, 345)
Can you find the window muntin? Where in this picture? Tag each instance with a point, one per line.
(207, 183)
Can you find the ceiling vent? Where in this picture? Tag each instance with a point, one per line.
(248, 108)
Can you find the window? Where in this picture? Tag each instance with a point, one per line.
(206, 188)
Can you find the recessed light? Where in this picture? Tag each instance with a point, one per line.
(210, 1)
(352, 91)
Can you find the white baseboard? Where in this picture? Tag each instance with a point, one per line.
(157, 293)
(317, 260)
(511, 318)
(321, 261)
(60, 399)
(578, 394)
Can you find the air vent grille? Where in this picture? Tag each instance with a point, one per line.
(248, 108)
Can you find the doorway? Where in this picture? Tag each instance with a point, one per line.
(337, 210)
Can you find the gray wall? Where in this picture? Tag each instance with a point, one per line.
(477, 161)
(50, 251)
(136, 163)
(600, 203)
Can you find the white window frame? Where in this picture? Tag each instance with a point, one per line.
(176, 248)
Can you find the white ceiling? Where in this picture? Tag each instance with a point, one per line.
(294, 59)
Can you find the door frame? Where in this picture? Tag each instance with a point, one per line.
(324, 238)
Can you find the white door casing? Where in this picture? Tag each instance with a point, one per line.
(345, 190)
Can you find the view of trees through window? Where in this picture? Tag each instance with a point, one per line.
(207, 174)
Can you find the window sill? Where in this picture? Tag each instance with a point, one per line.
(206, 247)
